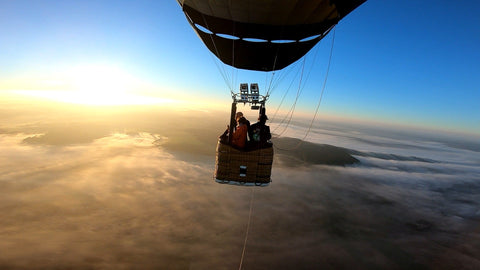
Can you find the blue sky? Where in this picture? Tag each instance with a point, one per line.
(393, 61)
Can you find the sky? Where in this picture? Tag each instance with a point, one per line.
(393, 61)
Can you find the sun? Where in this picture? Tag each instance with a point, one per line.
(104, 85)
(92, 84)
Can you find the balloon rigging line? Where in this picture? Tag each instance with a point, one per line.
(292, 109)
(323, 87)
(273, 74)
(283, 75)
(288, 89)
(284, 96)
(299, 92)
(319, 100)
(223, 72)
(269, 88)
(234, 74)
(248, 227)
(306, 79)
(275, 82)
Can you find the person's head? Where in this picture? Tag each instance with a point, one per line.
(263, 118)
(238, 115)
(242, 120)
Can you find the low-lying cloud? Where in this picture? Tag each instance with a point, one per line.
(135, 190)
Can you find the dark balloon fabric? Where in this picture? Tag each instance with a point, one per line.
(264, 35)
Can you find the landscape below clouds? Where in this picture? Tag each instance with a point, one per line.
(122, 188)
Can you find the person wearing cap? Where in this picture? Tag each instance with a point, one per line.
(239, 135)
(239, 115)
(260, 132)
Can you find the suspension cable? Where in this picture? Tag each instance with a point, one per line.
(283, 75)
(285, 95)
(290, 112)
(234, 73)
(220, 68)
(319, 100)
(323, 87)
(292, 109)
(248, 227)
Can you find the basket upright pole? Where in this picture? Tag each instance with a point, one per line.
(233, 121)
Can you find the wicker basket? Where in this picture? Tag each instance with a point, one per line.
(239, 167)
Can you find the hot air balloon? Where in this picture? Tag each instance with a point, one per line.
(264, 35)
(259, 35)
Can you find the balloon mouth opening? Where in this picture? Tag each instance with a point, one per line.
(203, 29)
(255, 40)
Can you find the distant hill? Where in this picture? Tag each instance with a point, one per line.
(295, 152)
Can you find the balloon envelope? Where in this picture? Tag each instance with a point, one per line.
(264, 35)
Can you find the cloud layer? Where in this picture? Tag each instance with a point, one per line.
(134, 189)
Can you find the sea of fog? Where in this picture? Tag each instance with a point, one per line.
(133, 188)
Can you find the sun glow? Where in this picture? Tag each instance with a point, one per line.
(97, 84)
